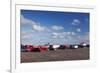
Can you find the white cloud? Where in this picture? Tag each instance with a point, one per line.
(35, 26)
(71, 37)
(63, 35)
(26, 35)
(27, 21)
(38, 28)
(83, 38)
(56, 35)
(75, 22)
(73, 33)
(56, 27)
(78, 30)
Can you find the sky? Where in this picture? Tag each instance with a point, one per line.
(42, 27)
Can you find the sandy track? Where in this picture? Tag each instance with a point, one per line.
(59, 55)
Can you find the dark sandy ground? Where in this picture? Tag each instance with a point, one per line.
(58, 55)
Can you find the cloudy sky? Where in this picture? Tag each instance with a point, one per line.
(41, 27)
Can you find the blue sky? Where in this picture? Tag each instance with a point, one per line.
(41, 27)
